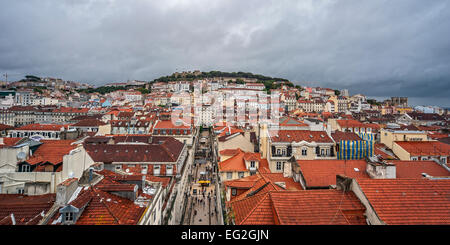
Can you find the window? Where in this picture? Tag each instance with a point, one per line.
(322, 152)
(229, 175)
(169, 170)
(414, 159)
(69, 216)
(233, 191)
(26, 168)
(444, 160)
(118, 167)
(156, 170)
(252, 164)
(20, 191)
(279, 165)
(304, 151)
(424, 158)
(241, 175)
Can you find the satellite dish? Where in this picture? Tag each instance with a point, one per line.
(21, 156)
(71, 175)
(127, 170)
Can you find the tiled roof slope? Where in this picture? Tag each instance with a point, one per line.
(167, 151)
(312, 207)
(45, 127)
(322, 173)
(262, 183)
(414, 169)
(27, 210)
(409, 201)
(338, 136)
(425, 148)
(106, 209)
(299, 135)
(51, 151)
(8, 142)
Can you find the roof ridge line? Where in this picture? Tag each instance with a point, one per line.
(109, 210)
(256, 205)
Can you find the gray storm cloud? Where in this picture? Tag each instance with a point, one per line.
(378, 48)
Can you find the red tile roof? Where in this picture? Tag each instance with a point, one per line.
(351, 124)
(312, 207)
(228, 131)
(414, 169)
(409, 201)
(169, 125)
(89, 123)
(71, 110)
(425, 148)
(262, 183)
(291, 122)
(5, 127)
(51, 151)
(230, 152)
(338, 136)
(104, 208)
(45, 127)
(27, 210)
(322, 173)
(7, 142)
(237, 161)
(299, 135)
(168, 151)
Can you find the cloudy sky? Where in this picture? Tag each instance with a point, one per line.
(378, 48)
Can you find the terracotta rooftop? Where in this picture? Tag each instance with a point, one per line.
(5, 127)
(299, 135)
(103, 208)
(425, 148)
(45, 127)
(89, 123)
(51, 151)
(414, 169)
(322, 173)
(312, 207)
(409, 201)
(166, 150)
(8, 142)
(262, 183)
(26, 210)
(338, 136)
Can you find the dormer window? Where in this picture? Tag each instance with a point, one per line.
(26, 168)
(252, 164)
(68, 217)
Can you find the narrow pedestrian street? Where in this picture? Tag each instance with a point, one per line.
(201, 206)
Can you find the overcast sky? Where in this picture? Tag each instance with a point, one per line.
(378, 48)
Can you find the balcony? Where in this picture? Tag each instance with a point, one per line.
(280, 156)
(324, 157)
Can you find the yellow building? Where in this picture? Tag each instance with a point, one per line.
(403, 110)
(388, 136)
